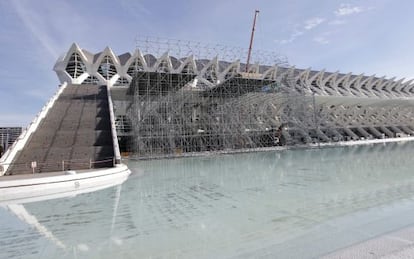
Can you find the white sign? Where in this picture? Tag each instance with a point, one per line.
(34, 164)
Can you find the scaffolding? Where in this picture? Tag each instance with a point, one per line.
(205, 51)
(188, 103)
(175, 97)
(172, 116)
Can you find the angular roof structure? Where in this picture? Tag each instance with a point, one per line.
(79, 66)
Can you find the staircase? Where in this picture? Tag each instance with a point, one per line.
(75, 134)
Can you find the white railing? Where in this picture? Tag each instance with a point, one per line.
(21, 141)
(117, 153)
(33, 167)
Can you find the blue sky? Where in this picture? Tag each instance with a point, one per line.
(371, 36)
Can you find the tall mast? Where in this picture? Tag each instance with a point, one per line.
(251, 40)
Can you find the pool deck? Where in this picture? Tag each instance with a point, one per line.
(278, 148)
(20, 188)
(398, 244)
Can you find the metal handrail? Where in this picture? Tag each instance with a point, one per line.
(61, 165)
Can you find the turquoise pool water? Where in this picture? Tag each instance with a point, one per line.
(284, 204)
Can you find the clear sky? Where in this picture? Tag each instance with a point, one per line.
(371, 36)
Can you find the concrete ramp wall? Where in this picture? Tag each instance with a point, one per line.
(75, 134)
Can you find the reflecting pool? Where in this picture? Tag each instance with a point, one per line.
(292, 203)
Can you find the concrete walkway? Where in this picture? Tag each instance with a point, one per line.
(398, 244)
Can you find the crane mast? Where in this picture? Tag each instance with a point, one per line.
(256, 12)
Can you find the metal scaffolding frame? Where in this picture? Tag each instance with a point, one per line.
(170, 115)
(185, 97)
(221, 109)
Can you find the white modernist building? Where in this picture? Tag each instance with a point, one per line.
(250, 102)
(79, 66)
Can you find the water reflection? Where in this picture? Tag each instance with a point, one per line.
(240, 205)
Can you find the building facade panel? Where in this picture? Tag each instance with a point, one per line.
(8, 136)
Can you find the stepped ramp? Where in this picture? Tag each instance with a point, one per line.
(75, 134)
